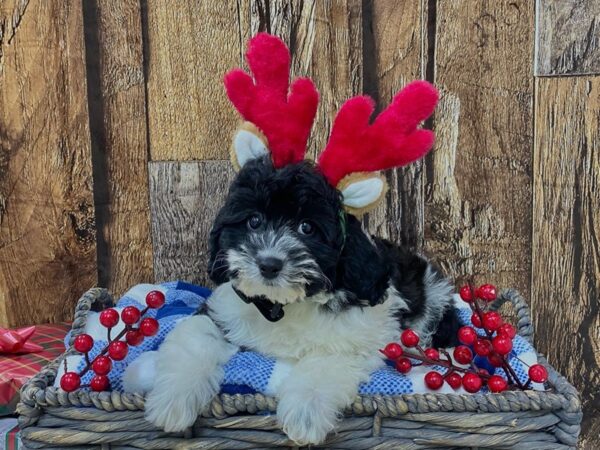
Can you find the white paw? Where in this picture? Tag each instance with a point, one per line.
(189, 370)
(172, 410)
(306, 419)
(140, 375)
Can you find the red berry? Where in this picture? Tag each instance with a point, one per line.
(487, 292)
(403, 365)
(409, 338)
(538, 373)
(467, 335)
(134, 337)
(109, 317)
(392, 351)
(495, 359)
(466, 293)
(149, 326)
(99, 383)
(102, 365)
(482, 347)
(130, 315)
(83, 343)
(454, 380)
(434, 380)
(155, 299)
(471, 382)
(492, 320)
(476, 320)
(497, 383)
(483, 372)
(70, 381)
(117, 350)
(432, 353)
(463, 355)
(507, 330)
(502, 345)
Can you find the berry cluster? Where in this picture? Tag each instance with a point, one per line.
(116, 349)
(494, 344)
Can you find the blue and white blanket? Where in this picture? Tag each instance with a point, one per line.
(250, 372)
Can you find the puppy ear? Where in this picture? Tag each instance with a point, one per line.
(361, 192)
(248, 143)
(362, 272)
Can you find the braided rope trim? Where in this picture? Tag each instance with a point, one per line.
(39, 393)
(521, 308)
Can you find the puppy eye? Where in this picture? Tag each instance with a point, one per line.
(254, 221)
(306, 228)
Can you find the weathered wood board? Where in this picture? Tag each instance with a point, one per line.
(47, 232)
(119, 142)
(395, 53)
(185, 198)
(478, 188)
(190, 47)
(566, 231)
(567, 37)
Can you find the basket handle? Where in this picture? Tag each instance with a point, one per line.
(524, 325)
(95, 299)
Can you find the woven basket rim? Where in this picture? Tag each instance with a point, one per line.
(39, 392)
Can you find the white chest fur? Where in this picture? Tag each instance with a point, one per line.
(306, 329)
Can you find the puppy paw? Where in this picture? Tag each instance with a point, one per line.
(189, 370)
(306, 419)
(140, 375)
(171, 409)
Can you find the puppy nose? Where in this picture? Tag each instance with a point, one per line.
(270, 267)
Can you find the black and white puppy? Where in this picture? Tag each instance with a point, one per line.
(298, 279)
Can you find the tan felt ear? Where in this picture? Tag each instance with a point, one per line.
(248, 143)
(362, 191)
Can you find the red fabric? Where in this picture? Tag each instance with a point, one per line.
(15, 370)
(285, 118)
(392, 140)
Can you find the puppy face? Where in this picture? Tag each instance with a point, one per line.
(279, 233)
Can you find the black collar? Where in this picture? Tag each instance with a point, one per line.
(273, 312)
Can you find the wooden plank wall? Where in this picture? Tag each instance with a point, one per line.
(117, 99)
(565, 295)
(47, 235)
(114, 145)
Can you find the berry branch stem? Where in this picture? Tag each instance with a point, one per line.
(508, 370)
(102, 352)
(440, 362)
(495, 343)
(127, 328)
(116, 348)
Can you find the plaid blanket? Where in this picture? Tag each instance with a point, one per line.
(15, 370)
(250, 372)
(9, 435)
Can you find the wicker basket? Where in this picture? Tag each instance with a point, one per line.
(51, 418)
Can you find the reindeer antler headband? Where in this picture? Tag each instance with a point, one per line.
(279, 118)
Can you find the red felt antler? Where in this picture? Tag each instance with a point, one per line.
(285, 118)
(392, 140)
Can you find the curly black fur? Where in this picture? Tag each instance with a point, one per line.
(357, 268)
